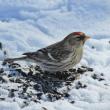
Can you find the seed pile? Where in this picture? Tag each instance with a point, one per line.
(34, 84)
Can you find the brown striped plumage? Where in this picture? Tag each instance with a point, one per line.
(60, 56)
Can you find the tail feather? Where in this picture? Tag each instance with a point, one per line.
(9, 60)
(28, 53)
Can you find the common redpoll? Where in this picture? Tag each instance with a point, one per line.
(60, 56)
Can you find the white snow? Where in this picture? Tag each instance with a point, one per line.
(27, 25)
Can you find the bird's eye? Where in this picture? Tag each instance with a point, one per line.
(80, 38)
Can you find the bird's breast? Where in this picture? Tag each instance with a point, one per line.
(77, 55)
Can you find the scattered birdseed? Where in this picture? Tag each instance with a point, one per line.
(80, 85)
(99, 77)
(35, 83)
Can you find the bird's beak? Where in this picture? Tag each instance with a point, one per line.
(87, 37)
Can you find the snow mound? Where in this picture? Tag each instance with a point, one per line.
(27, 25)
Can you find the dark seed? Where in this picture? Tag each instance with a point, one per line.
(2, 98)
(72, 70)
(72, 78)
(30, 73)
(83, 66)
(1, 46)
(37, 87)
(15, 65)
(84, 86)
(102, 74)
(2, 79)
(101, 79)
(35, 100)
(80, 85)
(11, 80)
(5, 53)
(11, 93)
(18, 81)
(90, 69)
(1, 70)
(81, 71)
(21, 72)
(94, 76)
(44, 108)
(39, 95)
(10, 75)
(25, 104)
(72, 102)
(68, 83)
(92, 47)
(25, 86)
(66, 95)
(4, 63)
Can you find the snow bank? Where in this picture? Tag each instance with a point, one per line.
(27, 25)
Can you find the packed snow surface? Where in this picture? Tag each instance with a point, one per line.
(27, 25)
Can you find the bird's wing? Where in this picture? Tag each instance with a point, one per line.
(53, 53)
(41, 55)
(59, 51)
(61, 55)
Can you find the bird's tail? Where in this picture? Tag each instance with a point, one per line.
(9, 60)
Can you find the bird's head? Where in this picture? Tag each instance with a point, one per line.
(76, 39)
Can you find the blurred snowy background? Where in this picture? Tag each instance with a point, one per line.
(27, 25)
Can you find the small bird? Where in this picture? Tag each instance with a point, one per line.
(60, 56)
